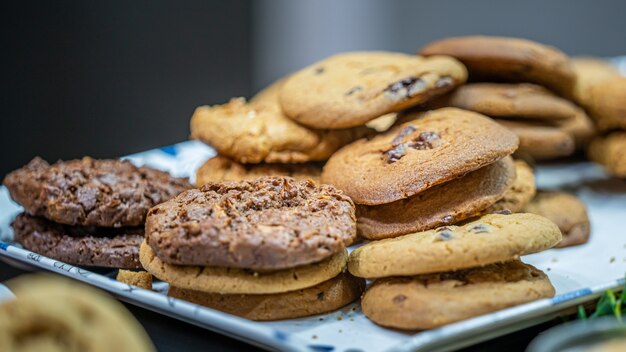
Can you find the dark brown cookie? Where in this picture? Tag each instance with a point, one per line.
(434, 148)
(445, 204)
(268, 223)
(508, 59)
(88, 192)
(89, 246)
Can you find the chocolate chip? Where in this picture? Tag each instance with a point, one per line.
(445, 228)
(320, 296)
(443, 82)
(396, 153)
(479, 228)
(425, 141)
(405, 131)
(448, 218)
(318, 71)
(405, 88)
(399, 299)
(354, 90)
(445, 235)
(502, 212)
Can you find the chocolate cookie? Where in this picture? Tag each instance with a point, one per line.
(508, 59)
(490, 239)
(268, 223)
(567, 212)
(448, 203)
(609, 152)
(260, 132)
(436, 147)
(242, 281)
(321, 298)
(220, 168)
(519, 194)
(430, 301)
(606, 103)
(350, 89)
(90, 246)
(88, 192)
(539, 141)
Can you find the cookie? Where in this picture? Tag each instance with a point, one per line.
(519, 194)
(609, 152)
(567, 212)
(539, 141)
(490, 239)
(141, 279)
(242, 281)
(89, 246)
(269, 223)
(436, 147)
(322, 298)
(430, 301)
(522, 101)
(350, 89)
(590, 71)
(489, 58)
(89, 192)
(606, 103)
(580, 127)
(260, 132)
(219, 168)
(448, 203)
(57, 314)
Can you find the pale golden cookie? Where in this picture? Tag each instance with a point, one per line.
(242, 281)
(520, 193)
(324, 297)
(350, 89)
(141, 279)
(590, 71)
(539, 141)
(490, 239)
(610, 152)
(430, 301)
(606, 103)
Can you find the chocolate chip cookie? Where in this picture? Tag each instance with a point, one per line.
(90, 246)
(445, 204)
(520, 193)
(590, 71)
(350, 89)
(433, 148)
(89, 192)
(430, 301)
(490, 239)
(269, 223)
(220, 168)
(506, 59)
(609, 151)
(606, 103)
(539, 141)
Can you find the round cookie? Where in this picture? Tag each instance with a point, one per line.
(539, 141)
(104, 247)
(350, 89)
(269, 223)
(430, 301)
(590, 71)
(606, 103)
(56, 314)
(490, 239)
(242, 281)
(567, 212)
(609, 152)
(219, 168)
(580, 127)
(523, 101)
(89, 192)
(260, 132)
(436, 147)
(321, 298)
(520, 193)
(448, 203)
(490, 58)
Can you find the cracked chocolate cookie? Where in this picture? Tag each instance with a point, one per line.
(219, 168)
(89, 246)
(350, 89)
(321, 298)
(445, 204)
(493, 238)
(430, 301)
(268, 223)
(433, 148)
(89, 192)
(505, 59)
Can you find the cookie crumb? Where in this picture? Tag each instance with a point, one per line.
(339, 317)
(141, 279)
(612, 260)
(340, 331)
(314, 337)
(554, 260)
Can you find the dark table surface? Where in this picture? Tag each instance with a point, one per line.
(169, 334)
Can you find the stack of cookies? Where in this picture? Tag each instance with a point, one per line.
(602, 91)
(432, 278)
(264, 249)
(530, 96)
(87, 212)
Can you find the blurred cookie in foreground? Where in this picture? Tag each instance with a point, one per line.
(56, 314)
(567, 211)
(220, 168)
(610, 152)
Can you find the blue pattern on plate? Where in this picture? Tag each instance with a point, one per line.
(322, 348)
(170, 149)
(4, 246)
(571, 295)
(280, 336)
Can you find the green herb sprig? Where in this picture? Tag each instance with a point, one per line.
(608, 305)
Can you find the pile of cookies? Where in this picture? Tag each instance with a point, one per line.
(87, 212)
(265, 249)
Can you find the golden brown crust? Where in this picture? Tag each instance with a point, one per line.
(610, 152)
(590, 71)
(606, 103)
(141, 279)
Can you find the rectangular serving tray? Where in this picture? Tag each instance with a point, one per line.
(579, 274)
